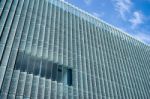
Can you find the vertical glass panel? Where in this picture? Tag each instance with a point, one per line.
(65, 75)
(69, 78)
(60, 73)
(43, 68)
(54, 71)
(49, 70)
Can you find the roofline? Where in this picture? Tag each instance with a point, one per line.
(100, 20)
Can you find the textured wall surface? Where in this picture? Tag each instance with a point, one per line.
(50, 49)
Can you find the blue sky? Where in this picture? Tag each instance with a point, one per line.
(132, 16)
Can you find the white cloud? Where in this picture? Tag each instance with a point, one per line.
(88, 1)
(137, 19)
(123, 6)
(142, 37)
(98, 14)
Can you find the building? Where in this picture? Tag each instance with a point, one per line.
(50, 49)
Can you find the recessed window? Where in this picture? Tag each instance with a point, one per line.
(47, 69)
(54, 71)
(59, 73)
(69, 78)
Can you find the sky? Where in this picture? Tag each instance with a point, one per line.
(131, 16)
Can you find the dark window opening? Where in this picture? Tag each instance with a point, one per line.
(37, 66)
(54, 72)
(49, 70)
(60, 73)
(69, 78)
(65, 75)
(44, 68)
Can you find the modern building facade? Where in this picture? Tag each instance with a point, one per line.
(50, 49)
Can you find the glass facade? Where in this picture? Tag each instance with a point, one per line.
(50, 49)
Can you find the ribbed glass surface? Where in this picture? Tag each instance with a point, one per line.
(50, 49)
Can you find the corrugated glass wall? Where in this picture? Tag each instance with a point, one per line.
(50, 49)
